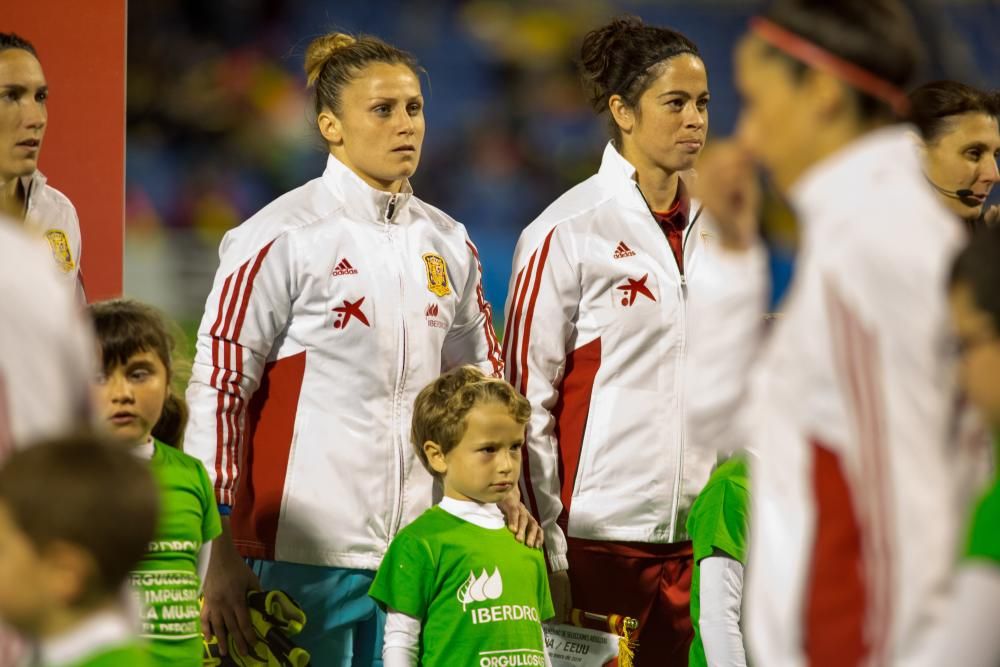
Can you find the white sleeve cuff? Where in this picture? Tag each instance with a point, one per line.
(401, 646)
(721, 597)
(558, 562)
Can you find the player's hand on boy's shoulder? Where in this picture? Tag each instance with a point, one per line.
(524, 526)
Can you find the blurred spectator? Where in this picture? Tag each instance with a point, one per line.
(46, 351)
(67, 551)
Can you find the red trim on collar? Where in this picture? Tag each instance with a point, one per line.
(676, 217)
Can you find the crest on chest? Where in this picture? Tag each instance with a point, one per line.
(437, 274)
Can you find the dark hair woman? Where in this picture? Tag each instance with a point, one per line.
(596, 335)
(960, 129)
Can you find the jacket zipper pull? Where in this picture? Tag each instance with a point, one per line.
(390, 208)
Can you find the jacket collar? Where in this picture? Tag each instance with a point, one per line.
(615, 170)
(823, 186)
(32, 185)
(618, 175)
(361, 200)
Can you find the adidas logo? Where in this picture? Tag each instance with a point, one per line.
(481, 588)
(432, 310)
(623, 251)
(344, 268)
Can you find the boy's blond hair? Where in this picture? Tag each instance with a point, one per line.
(441, 407)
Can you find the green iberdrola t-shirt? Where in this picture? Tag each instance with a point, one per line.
(480, 595)
(984, 533)
(718, 520)
(167, 576)
(123, 655)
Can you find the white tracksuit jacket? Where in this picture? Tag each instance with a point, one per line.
(332, 307)
(52, 215)
(596, 336)
(849, 406)
(47, 350)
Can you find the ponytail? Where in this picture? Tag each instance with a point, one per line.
(170, 428)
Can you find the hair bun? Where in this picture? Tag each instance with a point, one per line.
(598, 50)
(322, 49)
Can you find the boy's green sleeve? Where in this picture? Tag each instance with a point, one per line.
(211, 524)
(405, 580)
(984, 535)
(718, 520)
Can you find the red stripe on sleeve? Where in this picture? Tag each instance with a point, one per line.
(236, 400)
(492, 345)
(225, 386)
(510, 318)
(531, 313)
(518, 311)
(220, 435)
(878, 488)
(856, 357)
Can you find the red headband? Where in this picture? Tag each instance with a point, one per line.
(818, 57)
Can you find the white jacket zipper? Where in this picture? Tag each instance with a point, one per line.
(678, 473)
(679, 479)
(397, 393)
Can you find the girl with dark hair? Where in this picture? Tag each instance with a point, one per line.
(596, 340)
(331, 308)
(960, 132)
(849, 403)
(138, 408)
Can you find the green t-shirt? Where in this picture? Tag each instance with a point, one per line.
(122, 655)
(479, 594)
(167, 576)
(984, 532)
(718, 520)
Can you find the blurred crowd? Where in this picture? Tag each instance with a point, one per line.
(219, 122)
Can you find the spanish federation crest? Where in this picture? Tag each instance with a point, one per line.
(60, 249)
(437, 274)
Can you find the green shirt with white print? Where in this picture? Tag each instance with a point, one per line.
(480, 594)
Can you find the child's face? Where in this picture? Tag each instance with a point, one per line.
(23, 599)
(131, 396)
(486, 463)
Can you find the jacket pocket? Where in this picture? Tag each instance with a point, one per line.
(628, 460)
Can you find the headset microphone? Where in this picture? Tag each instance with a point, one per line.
(964, 193)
